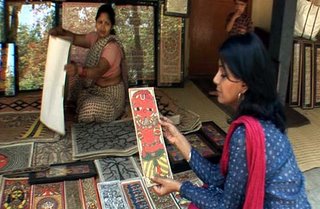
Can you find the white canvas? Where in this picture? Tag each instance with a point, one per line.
(52, 114)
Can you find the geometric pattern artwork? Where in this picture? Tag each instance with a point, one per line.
(188, 175)
(20, 105)
(151, 146)
(72, 193)
(24, 127)
(103, 139)
(162, 202)
(135, 194)
(90, 196)
(111, 195)
(53, 153)
(16, 156)
(15, 193)
(116, 168)
(170, 70)
(48, 196)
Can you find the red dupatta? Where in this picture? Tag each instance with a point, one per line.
(256, 160)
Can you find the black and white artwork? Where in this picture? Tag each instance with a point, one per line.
(104, 139)
(116, 168)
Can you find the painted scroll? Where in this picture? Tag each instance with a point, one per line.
(52, 113)
(152, 150)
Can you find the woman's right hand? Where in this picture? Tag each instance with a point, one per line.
(56, 31)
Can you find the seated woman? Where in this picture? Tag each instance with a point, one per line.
(258, 168)
(100, 86)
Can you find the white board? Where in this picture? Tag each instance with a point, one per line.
(52, 112)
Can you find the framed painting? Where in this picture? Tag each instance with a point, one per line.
(213, 134)
(200, 144)
(8, 84)
(179, 8)
(61, 172)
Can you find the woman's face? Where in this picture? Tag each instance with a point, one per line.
(228, 87)
(103, 25)
(240, 6)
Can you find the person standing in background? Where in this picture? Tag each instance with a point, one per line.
(237, 22)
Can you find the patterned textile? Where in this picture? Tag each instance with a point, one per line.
(97, 104)
(241, 23)
(24, 127)
(100, 104)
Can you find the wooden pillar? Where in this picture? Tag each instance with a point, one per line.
(281, 39)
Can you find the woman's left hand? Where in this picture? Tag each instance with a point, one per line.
(165, 185)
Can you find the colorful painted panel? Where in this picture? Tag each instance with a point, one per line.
(15, 157)
(111, 195)
(15, 193)
(135, 194)
(90, 197)
(152, 150)
(162, 202)
(48, 196)
(213, 133)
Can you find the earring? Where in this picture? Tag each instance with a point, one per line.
(240, 97)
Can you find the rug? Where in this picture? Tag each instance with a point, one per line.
(23, 102)
(24, 127)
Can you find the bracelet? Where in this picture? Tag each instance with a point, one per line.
(81, 72)
(189, 157)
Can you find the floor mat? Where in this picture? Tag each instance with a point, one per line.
(24, 127)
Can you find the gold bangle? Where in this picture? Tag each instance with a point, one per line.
(189, 157)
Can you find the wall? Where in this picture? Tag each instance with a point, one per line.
(262, 13)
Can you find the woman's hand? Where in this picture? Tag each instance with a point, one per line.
(175, 137)
(165, 185)
(169, 130)
(71, 69)
(56, 31)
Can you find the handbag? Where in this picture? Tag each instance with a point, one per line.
(307, 22)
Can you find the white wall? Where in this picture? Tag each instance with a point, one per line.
(262, 13)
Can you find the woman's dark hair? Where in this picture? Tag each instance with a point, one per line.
(248, 60)
(107, 8)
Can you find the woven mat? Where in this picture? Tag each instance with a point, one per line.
(24, 127)
(24, 102)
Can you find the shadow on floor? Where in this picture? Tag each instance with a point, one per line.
(294, 118)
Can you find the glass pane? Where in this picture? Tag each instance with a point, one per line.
(7, 69)
(28, 27)
(134, 26)
(2, 21)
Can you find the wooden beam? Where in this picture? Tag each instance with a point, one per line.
(281, 39)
